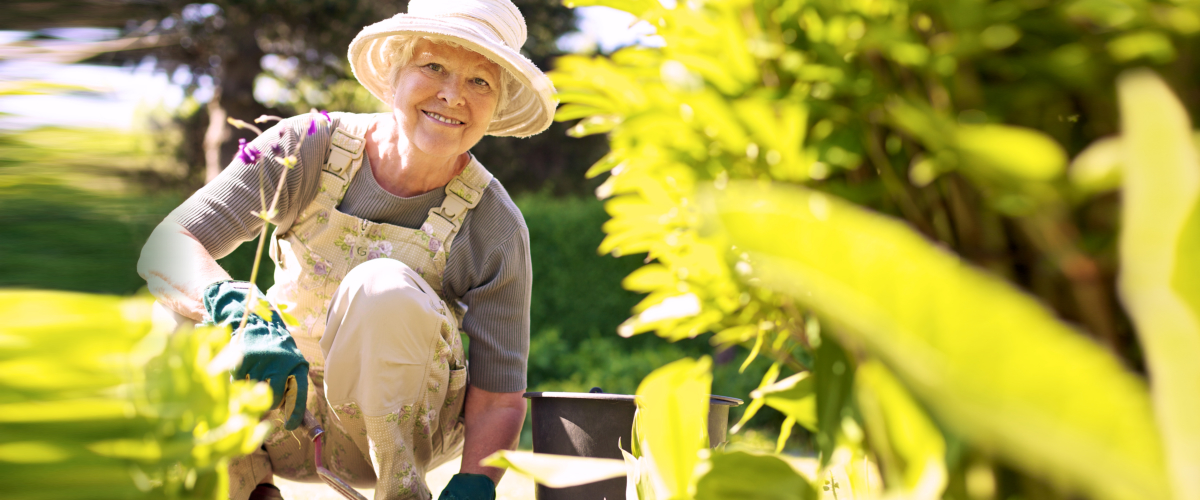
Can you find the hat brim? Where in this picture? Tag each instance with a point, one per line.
(530, 108)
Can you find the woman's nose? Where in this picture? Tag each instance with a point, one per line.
(452, 93)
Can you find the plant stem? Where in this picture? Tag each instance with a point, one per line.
(262, 238)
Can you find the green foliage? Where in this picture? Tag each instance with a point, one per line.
(913, 306)
(1159, 245)
(94, 405)
(557, 471)
(672, 423)
(910, 448)
(752, 477)
(577, 301)
(959, 117)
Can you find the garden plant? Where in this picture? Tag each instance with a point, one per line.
(912, 209)
(958, 230)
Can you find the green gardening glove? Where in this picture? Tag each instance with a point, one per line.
(469, 487)
(268, 352)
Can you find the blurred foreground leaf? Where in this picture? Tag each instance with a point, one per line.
(833, 378)
(672, 420)
(1160, 273)
(557, 471)
(990, 361)
(748, 476)
(93, 405)
(910, 447)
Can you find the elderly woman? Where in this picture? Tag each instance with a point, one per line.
(392, 238)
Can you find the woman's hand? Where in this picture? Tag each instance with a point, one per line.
(469, 487)
(177, 269)
(268, 352)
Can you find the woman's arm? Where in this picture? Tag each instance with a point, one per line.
(178, 263)
(177, 268)
(493, 423)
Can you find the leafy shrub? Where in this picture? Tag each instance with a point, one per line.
(961, 118)
(96, 406)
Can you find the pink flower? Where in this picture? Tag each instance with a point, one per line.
(277, 146)
(246, 153)
(435, 245)
(312, 123)
(427, 228)
(321, 268)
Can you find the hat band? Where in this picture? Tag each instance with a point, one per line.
(480, 21)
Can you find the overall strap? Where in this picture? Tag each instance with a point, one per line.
(346, 146)
(462, 194)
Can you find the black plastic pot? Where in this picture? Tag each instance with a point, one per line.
(589, 425)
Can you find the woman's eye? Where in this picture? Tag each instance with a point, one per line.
(434, 66)
(481, 82)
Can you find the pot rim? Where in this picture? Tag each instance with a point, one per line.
(601, 396)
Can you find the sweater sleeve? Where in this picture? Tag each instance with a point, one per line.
(221, 214)
(497, 317)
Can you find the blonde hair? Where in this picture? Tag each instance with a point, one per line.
(400, 50)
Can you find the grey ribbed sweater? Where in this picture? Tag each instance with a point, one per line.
(488, 268)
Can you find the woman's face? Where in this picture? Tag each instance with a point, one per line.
(445, 98)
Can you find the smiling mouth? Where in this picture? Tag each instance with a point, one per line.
(443, 119)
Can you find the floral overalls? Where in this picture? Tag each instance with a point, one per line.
(390, 452)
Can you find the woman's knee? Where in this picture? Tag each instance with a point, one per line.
(381, 333)
(380, 293)
(384, 281)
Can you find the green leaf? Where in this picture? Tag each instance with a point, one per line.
(1152, 45)
(1097, 169)
(115, 410)
(991, 362)
(262, 308)
(1160, 242)
(288, 319)
(557, 471)
(605, 164)
(649, 278)
(910, 447)
(833, 379)
(635, 7)
(568, 112)
(747, 476)
(794, 396)
(757, 402)
(596, 124)
(672, 420)
(1014, 152)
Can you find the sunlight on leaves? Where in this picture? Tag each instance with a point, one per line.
(557, 471)
(1160, 241)
(910, 447)
(1045, 398)
(672, 420)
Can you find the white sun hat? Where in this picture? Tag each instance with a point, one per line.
(493, 28)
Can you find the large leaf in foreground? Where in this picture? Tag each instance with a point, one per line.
(1160, 261)
(747, 476)
(93, 405)
(992, 362)
(910, 447)
(672, 420)
(557, 471)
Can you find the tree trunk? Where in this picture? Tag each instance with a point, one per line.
(240, 65)
(214, 136)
